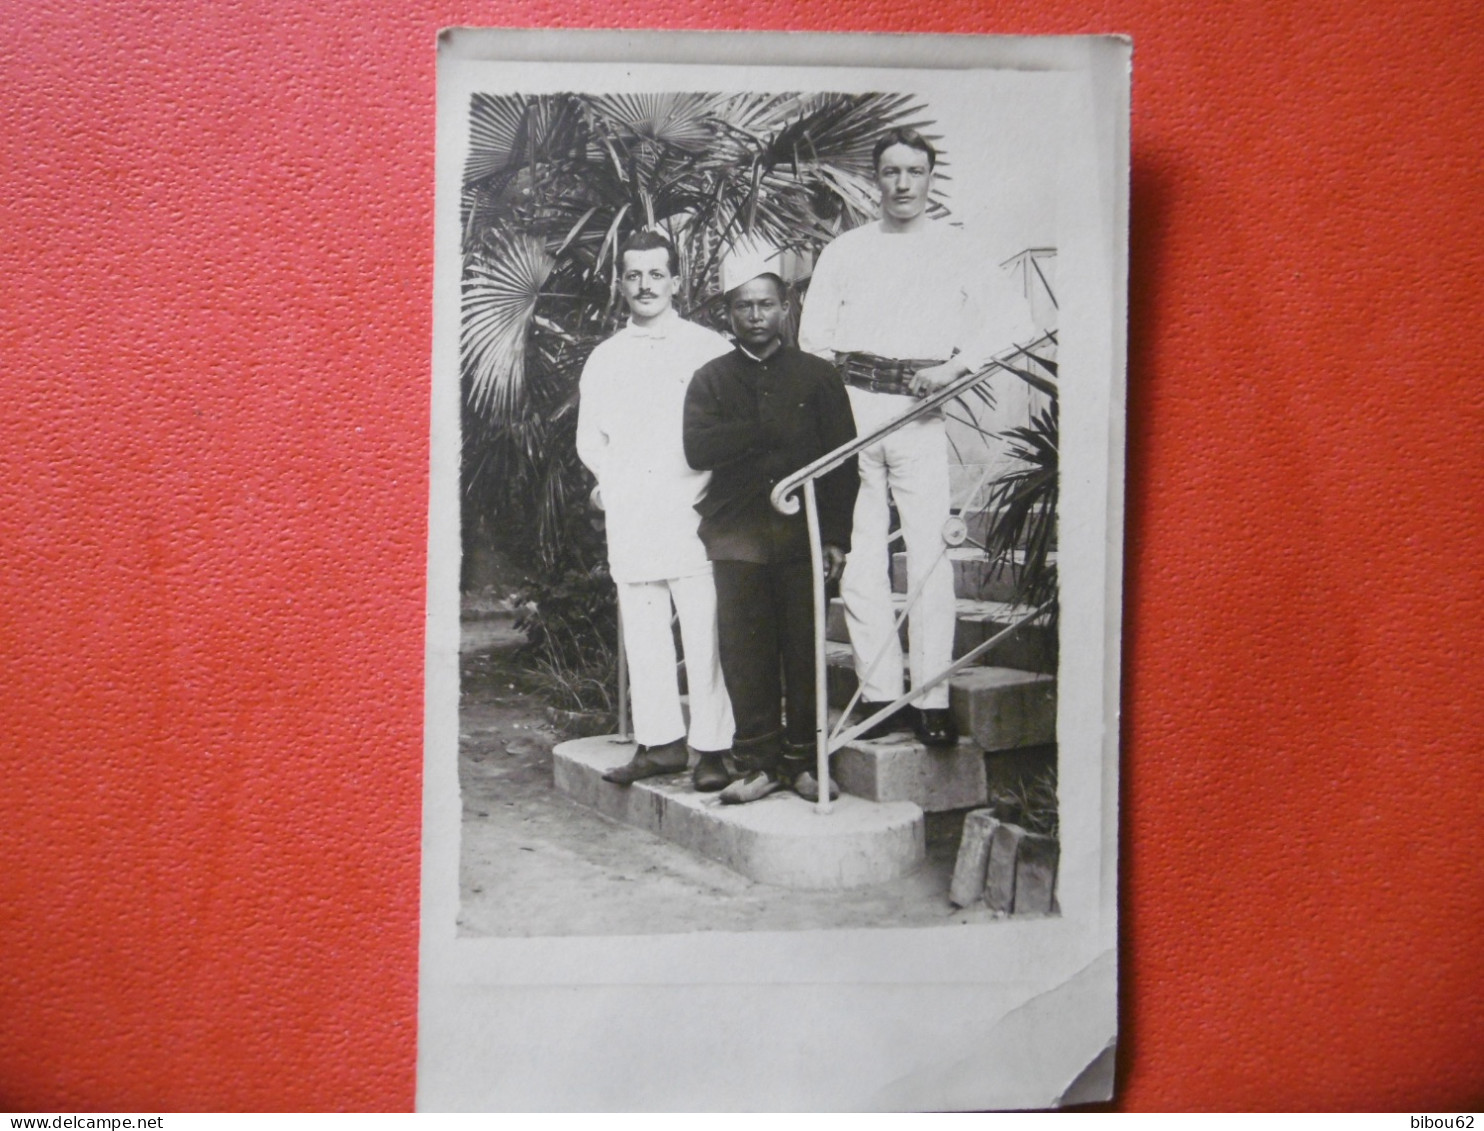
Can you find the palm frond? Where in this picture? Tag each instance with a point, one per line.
(553, 185)
(826, 142)
(508, 130)
(840, 130)
(1022, 506)
(685, 121)
(496, 126)
(1036, 365)
(500, 296)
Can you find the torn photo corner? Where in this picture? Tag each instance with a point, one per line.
(675, 273)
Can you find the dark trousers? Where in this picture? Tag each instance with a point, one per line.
(765, 633)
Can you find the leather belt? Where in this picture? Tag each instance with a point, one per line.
(882, 374)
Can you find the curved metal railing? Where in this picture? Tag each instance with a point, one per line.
(802, 482)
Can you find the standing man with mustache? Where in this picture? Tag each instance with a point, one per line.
(632, 398)
(899, 307)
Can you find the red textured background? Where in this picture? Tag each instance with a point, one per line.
(216, 268)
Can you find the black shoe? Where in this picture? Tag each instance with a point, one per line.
(896, 722)
(651, 762)
(710, 773)
(935, 726)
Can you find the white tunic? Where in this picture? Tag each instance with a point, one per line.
(924, 294)
(629, 421)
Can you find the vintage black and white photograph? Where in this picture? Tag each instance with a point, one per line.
(774, 559)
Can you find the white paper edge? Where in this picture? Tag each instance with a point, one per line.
(580, 1023)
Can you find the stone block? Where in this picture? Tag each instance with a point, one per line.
(781, 840)
(1035, 875)
(897, 768)
(971, 867)
(999, 873)
(975, 578)
(999, 708)
(1004, 708)
(1031, 647)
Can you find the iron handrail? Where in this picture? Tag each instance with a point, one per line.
(802, 480)
(780, 495)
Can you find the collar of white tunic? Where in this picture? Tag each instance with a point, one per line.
(661, 327)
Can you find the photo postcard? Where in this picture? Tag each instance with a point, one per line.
(775, 572)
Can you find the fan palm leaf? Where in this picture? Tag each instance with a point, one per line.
(510, 130)
(500, 295)
(685, 121)
(840, 130)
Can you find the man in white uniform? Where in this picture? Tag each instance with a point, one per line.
(900, 306)
(632, 401)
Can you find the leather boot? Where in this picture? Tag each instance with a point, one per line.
(651, 762)
(711, 773)
(936, 727)
(899, 720)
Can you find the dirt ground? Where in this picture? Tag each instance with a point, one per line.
(533, 863)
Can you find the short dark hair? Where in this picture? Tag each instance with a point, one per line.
(649, 240)
(902, 136)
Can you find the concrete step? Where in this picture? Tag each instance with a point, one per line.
(975, 577)
(780, 840)
(998, 708)
(1032, 647)
(897, 768)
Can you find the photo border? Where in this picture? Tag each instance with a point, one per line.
(1004, 1014)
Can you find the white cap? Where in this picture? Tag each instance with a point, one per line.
(749, 257)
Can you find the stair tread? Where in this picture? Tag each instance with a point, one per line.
(972, 608)
(780, 840)
(1000, 708)
(837, 654)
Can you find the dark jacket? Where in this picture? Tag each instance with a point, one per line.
(751, 423)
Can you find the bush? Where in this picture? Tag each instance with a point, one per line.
(570, 623)
(1029, 803)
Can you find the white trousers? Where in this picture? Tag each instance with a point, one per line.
(649, 645)
(912, 465)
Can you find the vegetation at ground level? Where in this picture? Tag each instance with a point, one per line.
(1030, 802)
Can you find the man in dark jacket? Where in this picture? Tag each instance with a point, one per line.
(752, 417)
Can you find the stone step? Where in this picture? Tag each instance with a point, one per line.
(897, 768)
(975, 577)
(781, 840)
(1031, 647)
(998, 708)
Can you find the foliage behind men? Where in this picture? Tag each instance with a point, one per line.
(552, 187)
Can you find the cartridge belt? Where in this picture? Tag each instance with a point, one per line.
(878, 374)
